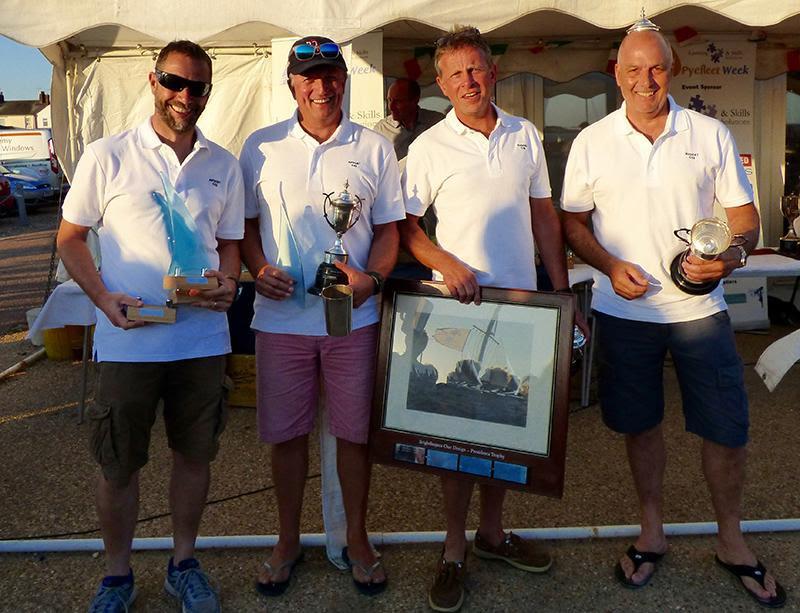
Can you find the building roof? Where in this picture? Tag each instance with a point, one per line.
(21, 107)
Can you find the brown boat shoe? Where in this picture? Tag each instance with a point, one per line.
(447, 592)
(515, 550)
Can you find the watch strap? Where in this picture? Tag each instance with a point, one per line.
(378, 279)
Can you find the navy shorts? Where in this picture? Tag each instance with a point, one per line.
(710, 373)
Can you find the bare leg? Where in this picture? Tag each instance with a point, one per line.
(289, 470)
(457, 494)
(724, 469)
(117, 511)
(647, 458)
(188, 490)
(491, 522)
(354, 475)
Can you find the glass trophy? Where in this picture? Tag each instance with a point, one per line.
(707, 240)
(189, 258)
(341, 212)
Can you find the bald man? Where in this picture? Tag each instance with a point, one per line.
(645, 170)
(406, 120)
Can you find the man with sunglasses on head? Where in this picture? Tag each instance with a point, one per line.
(484, 173)
(183, 364)
(288, 168)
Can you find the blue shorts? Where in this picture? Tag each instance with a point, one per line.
(710, 373)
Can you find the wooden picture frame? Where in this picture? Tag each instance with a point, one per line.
(474, 391)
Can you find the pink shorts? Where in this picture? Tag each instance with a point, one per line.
(289, 367)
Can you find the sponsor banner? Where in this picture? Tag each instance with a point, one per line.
(363, 98)
(716, 77)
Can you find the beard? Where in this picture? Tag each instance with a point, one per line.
(180, 126)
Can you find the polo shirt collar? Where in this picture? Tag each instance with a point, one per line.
(676, 119)
(345, 133)
(503, 119)
(150, 139)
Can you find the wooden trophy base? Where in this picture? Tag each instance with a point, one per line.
(179, 287)
(154, 313)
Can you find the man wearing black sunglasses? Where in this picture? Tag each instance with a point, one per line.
(287, 168)
(115, 187)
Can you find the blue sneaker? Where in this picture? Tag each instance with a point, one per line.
(189, 584)
(115, 595)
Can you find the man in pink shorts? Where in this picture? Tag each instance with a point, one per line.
(288, 168)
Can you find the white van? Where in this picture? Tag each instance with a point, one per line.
(31, 152)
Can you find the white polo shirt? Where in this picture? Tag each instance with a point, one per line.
(112, 189)
(286, 174)
(640, 192)
(480, 189)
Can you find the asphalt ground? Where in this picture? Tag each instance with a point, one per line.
(47, 480)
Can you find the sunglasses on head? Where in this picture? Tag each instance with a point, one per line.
(174, 83)
(306, 51)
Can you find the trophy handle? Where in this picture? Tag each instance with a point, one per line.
(357, 209)
(325, 207)
(677, 234)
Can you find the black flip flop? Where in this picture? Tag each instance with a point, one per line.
(638, 558)
(276, 588)
(757, 573)
(368, 588)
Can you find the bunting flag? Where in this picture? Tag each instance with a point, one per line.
(793, 60)
(550, 44)
(612, 58)
(412, 67)
(685, 34)
(498, 49)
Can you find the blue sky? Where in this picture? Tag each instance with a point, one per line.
(24, 71)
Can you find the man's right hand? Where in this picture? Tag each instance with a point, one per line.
(460, 280)
(627, 280)
(273, 283)
(112, 303)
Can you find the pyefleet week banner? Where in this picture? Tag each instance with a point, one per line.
(363, 97)
(716, 78)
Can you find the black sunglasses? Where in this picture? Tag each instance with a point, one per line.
(174, 83)
(306, 51)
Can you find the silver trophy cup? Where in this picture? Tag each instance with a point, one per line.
(341, 212)
(707, 240)
(790, 208)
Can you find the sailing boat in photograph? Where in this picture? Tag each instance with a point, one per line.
(482, 384)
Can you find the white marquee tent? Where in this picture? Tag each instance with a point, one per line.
(101, 51)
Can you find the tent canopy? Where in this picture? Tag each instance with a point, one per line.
(125, 23)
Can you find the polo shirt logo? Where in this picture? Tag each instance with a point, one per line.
(523, 146)
(353, 163)
(214, 182)
(690, 155)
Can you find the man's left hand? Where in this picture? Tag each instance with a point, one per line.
(361, 283)
(219, 298)
(701, 271)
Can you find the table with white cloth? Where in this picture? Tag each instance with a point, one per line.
(68, 305)
(761, 263)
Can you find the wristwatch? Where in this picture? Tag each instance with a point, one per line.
(378, 278)
(742, 256)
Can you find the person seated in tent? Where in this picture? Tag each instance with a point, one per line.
(121, 184)
(406, 121)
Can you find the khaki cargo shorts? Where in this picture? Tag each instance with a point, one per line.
(124, 411)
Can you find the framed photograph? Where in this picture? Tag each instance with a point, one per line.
(474, 391)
